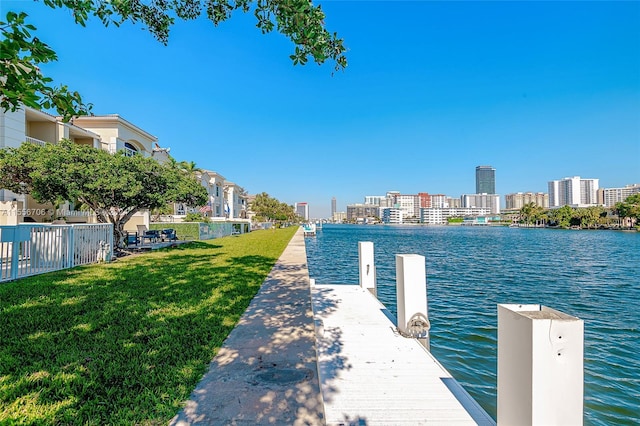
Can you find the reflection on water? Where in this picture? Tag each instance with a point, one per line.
(592, 275)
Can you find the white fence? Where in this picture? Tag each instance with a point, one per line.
(31, 249)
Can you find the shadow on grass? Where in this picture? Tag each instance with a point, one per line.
(266, 372)
(125, 342)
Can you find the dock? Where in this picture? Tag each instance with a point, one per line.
(306, 354)
(371, 375)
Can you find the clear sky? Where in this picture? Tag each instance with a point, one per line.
(539, 90)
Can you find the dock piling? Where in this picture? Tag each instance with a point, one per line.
(411, 289)
(367, 266)
(540, 366)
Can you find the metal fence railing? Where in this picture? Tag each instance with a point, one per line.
(32, 249)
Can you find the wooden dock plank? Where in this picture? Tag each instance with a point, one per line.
(371, 375)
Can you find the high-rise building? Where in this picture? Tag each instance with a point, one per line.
(610, 196)
(302, 210)
(517, 200)
(573, 191)
(333, 206)
(485, 180)
(487, 201)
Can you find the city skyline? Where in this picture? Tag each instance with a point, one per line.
(432, 89)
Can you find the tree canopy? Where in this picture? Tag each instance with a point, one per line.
(630, 207)
(267, 208)
(115, 187)
(21, 53)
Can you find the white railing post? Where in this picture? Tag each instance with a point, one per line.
(411, 290)
(367, 266)
(540, 366)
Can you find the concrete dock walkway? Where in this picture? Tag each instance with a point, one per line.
(266, 373)
(323, 355)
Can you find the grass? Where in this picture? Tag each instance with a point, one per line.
(126, 342)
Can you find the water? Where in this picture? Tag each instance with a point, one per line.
(593, 275)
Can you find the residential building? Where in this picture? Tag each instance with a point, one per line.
(485, 180)
(235, 198)
(109, 132)
(610, 196)
(376, 200)
(333, 206)
(302, 210)
(424, 200)
(573, 191)
(439, 216)
(216, 204)
(453, 202)
(488, 201)
(515, 201)
(362, 212)
(392, 215)
(339, 217)
(439, 201)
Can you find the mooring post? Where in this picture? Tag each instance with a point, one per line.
(540, 366)
(367, 266)
(411, 290)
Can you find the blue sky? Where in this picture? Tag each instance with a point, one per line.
(539, 90)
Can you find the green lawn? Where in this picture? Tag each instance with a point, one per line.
(126, 342)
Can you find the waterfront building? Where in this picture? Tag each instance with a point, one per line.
(439, 216)
(333, 206)
(213, 182)
(485, 180)
(235, 201)
(574, 192)
(610, 196)
(111, 133)
(360, 212)
(392, 215)
(516, 201)
(488, 201)
(339, 217)
(302, 210)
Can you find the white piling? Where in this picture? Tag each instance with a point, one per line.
(411, 290)
(540, 366)
(367, 266)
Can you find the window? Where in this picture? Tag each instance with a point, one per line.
(130, 150)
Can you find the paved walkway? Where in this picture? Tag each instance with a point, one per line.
(266, 372)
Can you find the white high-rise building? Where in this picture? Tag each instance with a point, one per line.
(573, 191)
(488, 201)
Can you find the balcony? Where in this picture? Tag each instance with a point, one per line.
(35, 141)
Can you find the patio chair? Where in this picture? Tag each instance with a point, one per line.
(132, 239)
(169, 234)
(153, 235)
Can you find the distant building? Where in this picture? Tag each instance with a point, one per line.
(573, 191)
(339, 217)
(485, 180)
(610, 196)
(439, 216)
(333, 207)
(487, 201)
(302, 210)
(362, 211)
(392, 215)
(437, 200)
(375, 200)
(517, 200)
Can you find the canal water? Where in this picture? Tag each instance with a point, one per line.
(593, 275)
